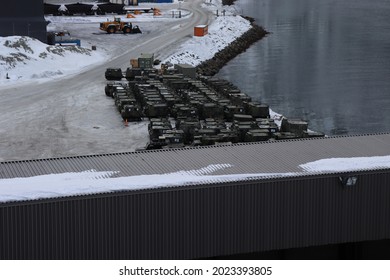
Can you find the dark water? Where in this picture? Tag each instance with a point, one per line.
(326, 61)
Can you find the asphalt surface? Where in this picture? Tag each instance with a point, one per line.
(72, 116)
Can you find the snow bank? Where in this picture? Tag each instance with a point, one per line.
(91, 182)
(25, 58)
(221, 32)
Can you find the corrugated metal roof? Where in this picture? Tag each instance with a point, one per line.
(261, 157)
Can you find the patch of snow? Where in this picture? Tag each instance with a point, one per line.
(347, 164)
(276, 117)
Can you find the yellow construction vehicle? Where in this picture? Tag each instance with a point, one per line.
(118, 25)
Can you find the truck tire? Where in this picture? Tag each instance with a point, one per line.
(111, 29)
(126, 29)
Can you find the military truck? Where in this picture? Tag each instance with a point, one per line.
(131, 112)
(113, 74)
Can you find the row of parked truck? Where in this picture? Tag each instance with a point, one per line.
(190, 112)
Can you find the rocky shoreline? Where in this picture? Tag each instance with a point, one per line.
(211, 66)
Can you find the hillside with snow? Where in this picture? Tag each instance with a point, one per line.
(25, 58)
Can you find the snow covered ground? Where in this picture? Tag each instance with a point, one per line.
(91, 181)
(25, 59)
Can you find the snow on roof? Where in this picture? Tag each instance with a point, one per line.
(92, 181)
(347, 164)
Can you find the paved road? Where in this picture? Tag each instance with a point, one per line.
(72, 116)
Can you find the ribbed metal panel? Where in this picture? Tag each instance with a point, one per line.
(201, 221)
(266, 157)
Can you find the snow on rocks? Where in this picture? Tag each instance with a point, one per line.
(24, 58)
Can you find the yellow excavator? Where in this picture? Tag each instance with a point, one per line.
(117, 25)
